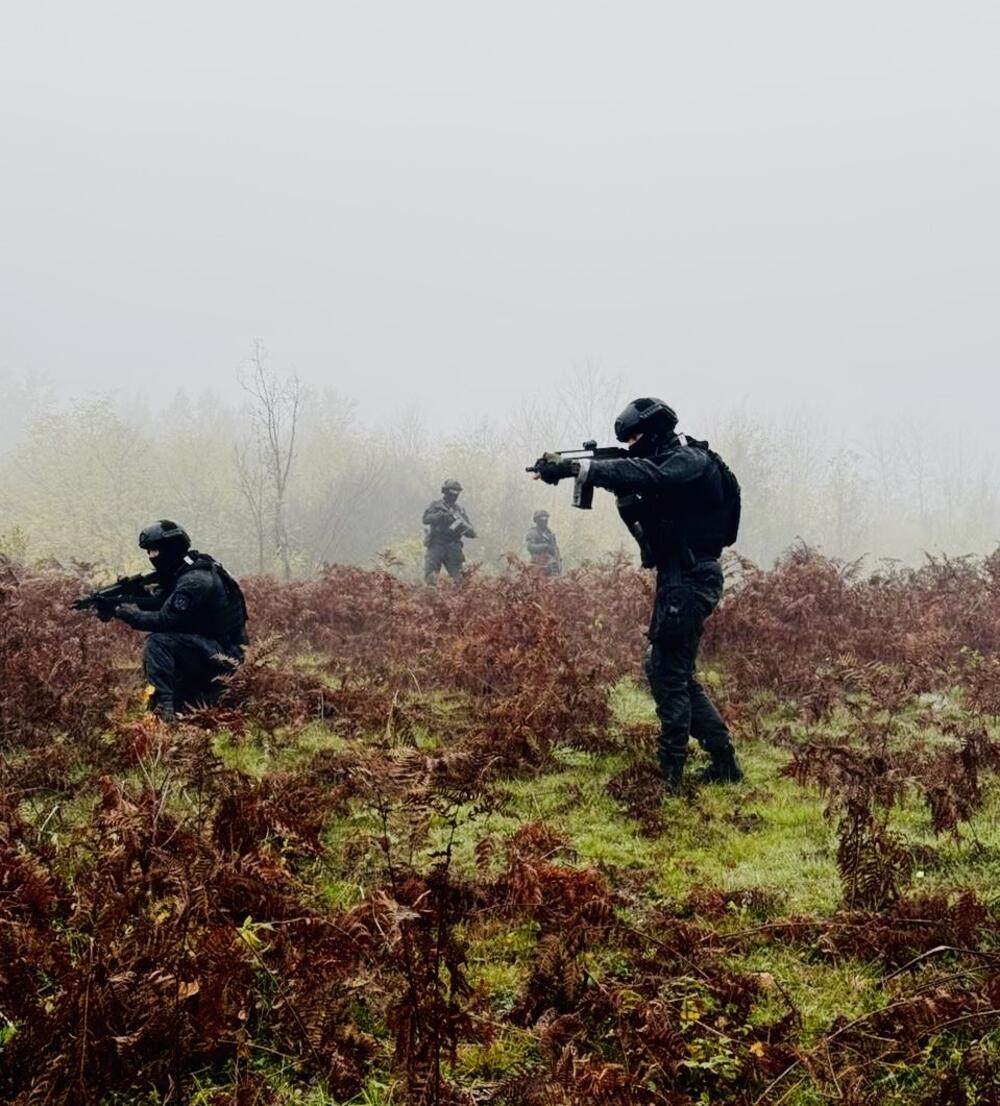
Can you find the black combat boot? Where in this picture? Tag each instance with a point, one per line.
(164, 710)
(672, 770)
(725, 768)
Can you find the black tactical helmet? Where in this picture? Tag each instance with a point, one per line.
(539, 515)
(451, 486)
(646, 415)
(164, 532)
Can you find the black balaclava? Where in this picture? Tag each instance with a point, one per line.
(170, 542)
(170, 557)
(653, 439)
(652, 419)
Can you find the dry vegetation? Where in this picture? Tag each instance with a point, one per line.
(419, 854)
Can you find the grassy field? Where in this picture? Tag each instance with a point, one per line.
(420, 855)
(740, 861)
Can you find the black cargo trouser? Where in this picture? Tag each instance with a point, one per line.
(684, 600)
(447, 555)
(182, 669)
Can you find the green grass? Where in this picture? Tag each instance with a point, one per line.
(768, 833)
(813, 987)
(255, 755)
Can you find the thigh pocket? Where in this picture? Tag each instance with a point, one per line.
(674, 612)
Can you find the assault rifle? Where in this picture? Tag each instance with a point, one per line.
(460, 526)
(583, 495)
(104, 600)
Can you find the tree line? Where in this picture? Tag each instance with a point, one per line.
(280, 478)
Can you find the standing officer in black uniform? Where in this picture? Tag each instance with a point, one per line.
(681, 503)
(195, 620)
(447, 524)
(543, 549)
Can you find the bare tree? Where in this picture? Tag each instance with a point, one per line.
(846, 496)
(343, 499)
(577, 408)
(589, 399)
(275, 406)
(250, 475)
(914, 454)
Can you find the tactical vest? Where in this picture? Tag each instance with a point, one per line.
(224, 617)
(686, 522)
(536, 537)
(443, 531)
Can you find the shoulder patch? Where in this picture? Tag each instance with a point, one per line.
(180, 602)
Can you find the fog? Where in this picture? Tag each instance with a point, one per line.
(777, 216)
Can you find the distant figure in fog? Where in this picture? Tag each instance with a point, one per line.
(542, 546)
(195, 618)
(682, 505)
(446, 525)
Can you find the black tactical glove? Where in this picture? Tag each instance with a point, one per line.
(552, 468)
(126, 612)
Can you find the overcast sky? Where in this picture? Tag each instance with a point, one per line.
(447, 203)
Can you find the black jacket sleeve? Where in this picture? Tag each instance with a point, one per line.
(639, 474)
(437, 515)
(149, 602)
(193, 591)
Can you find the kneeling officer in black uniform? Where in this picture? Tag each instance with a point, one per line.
(681, 504)
(195, 618)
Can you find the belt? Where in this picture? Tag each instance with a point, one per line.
(674, 567)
